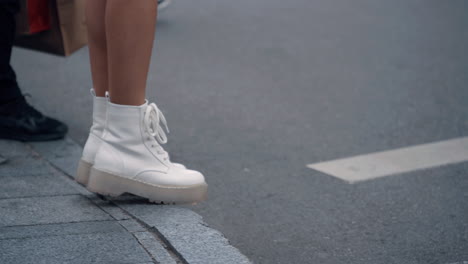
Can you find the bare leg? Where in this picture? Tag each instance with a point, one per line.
(130, 27)
(95, 19)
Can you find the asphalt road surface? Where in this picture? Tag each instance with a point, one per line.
(255, 90)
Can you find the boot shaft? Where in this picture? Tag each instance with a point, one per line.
(99, 114)
(124, 123)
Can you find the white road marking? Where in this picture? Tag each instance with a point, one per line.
(380, 164)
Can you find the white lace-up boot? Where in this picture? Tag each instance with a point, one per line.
(130, 159)
(94, 139)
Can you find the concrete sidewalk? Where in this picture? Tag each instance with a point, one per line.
(46, 217)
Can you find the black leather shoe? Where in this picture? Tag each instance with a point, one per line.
(20, 121)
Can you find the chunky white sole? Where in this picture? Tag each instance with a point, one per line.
(82, 173)
(109, 184)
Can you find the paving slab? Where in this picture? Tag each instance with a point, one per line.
(110, 208)
(152, 244)
(149, 241)
(187, 233)
(10, 149)
(132, 226)
(64, 154)
(98, 247)
(47, 210)
(14, 186)
(24, 166)
(154, 247)
(61, 229)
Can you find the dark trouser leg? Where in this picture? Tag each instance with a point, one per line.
(9, 89)
(19, 120)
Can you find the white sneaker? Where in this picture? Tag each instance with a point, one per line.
(130, 159)
(94, 139)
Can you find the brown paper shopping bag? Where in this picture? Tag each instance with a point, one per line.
(67, 31)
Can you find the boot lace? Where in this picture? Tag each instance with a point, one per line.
(152, 119)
